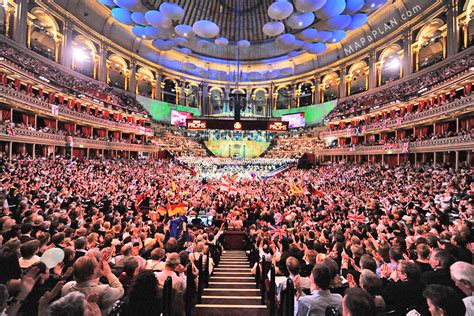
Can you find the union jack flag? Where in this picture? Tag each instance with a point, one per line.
(277, 232)
(357, 218)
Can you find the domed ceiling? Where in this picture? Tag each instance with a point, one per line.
(243, 29)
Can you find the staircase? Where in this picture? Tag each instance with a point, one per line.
(232, 289)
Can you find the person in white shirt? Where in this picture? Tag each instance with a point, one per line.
(28, 252)
(462, 274)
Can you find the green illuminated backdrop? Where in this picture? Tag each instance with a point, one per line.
(313, 114)
(161, 111)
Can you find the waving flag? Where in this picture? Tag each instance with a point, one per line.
(357, 218)
(176, 209)
(308, 222)
(209, 187)
(277, 232)
(296, 190)
(226, 187)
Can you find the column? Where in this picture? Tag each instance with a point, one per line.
(182, 94)
(132, 87)
(407, 54)
(372, 70)
(434, 159)
(270, 101)
(292, 102)
(226, 98)
(20, 23)
(66, 59)
(10, 151)
(158, 90)
(316, 90)
(248, 98)
(204, 98)
(103, 63)
(452, 28)
(342, 83)
(457, 161)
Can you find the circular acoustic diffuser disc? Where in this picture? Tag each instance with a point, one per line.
(157, 19)
(157, 33)
(128, 4)
(221, 41)
(309, 35)
(309, 5)
(338, 22)
(139, 18)
(272, 29)
(299, 20)
(286, 39)
(280, 10)
(357, 21)
(315, 48)
(352, 6)
(331, 8)
(184, 30)
(243, 43)
(172, 11)
(122, 15)
(109, 3)
(206, 29)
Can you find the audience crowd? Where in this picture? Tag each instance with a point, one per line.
(398, 238)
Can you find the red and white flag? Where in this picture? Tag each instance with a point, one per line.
(357, 218)
(54, 110)
(277, 232)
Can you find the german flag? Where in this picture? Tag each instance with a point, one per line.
(176, 209)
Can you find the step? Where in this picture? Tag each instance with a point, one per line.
(232, 285)
(225, 311)
(232, 269)
(220, 273)
(233, 265)
(231, 300)
(230, 306)
(230, 278)
(231, 292)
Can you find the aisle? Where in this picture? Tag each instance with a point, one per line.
(232, 289)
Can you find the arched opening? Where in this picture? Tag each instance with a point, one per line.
(260, 101)
(306, 94)
(216, 100)
(358, 76)
(390, 65)
(169, 91)
(43, 34)
(84, 55)
(283, 98)
(431, 44)
(144, 82)
(192, 95)
(330, 87)
(116, 71)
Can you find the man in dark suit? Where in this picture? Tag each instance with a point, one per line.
(440, 260)
(79, 247)
(405, 289)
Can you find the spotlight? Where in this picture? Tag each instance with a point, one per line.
(79, 54)
(394, 63)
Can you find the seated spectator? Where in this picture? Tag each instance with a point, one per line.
(443, 301)
(75, 304)
(86, 272)
(143, 298)
(320, 297)
(156, 262)
(462, 274)
(357, 302)
(404, 290)
(28, 252)
(171, 267)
